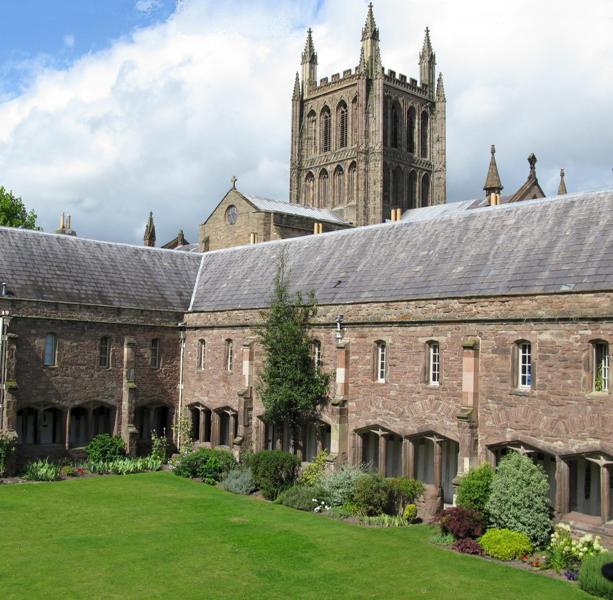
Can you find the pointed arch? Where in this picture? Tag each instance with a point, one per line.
(308, 196)
(412, 190)
(386, 105)
(339, 186)
(325, 129)
(342, 123)
(386, 194)
(395, 126)
(354, 121)
(424, 134)
(352, 187)
(411, 122)
(398, 188)
(425, 190)
(311, 140)
(322, 189)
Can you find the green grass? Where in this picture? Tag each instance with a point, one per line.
(160, 536)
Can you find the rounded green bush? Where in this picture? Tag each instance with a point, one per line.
(374, 495)
(410, 512)
(520, 498)
(239, 481)
(209, 464)
(274, 471)
(505, 544)
(590, 576)
(475, 488)
(105, 448)
(301, 497)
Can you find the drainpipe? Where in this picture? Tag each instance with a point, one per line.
(4, 323)
(182, 353)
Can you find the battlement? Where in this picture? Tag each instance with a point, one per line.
(409, 84)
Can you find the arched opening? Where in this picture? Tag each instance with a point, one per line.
(149, 419)
(395, 142)
(311, 141)
(411, 120)
(339, 186)
(27, 425)
(317, 437)
(342, 124)
(412, 190)
(393, 456)
(436, 462)
(370, 450)
(102, 421)
(201, 424)
(51, 426)
(386, 108)
(79, 435)
(353, 181)
(354, 121)
(387, 209)
(309, 190)
(425, 190)
(326, 129)
(398, 189)
(584, 478)
(425, 135)
(322, 192)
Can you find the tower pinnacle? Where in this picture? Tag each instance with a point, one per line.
(440, 88)
(309, 54)
(562, 187)
(370, 30)
(427, 63)
(493, 185)
(309, 63)
(149, 238)
(370, 55)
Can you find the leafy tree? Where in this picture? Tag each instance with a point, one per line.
(13, 212)
(475, 488)
(291, 386)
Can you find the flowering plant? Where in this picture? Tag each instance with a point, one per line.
(566, 553)
(321, 505)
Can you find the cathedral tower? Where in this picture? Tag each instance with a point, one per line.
(368, 141)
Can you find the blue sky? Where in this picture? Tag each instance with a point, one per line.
(110, 109)
(53, 33)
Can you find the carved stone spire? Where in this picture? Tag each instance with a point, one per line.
(309, 54)
(309, 62)
(149, 239)
(440, 89)
(370, 54)
(562, 187)
(297, 92)
(493, 185)
(427, 63)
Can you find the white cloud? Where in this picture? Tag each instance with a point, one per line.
(146, 6)
(162, 120)
(69, 40)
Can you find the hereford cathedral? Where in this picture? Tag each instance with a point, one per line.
(454, 332)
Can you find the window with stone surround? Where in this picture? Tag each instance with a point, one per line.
(380, 361)
(342, 124)
(354, 121)
(601, 359)
(309, 189)
(50, 351)
(311, 142)
(339, 186)
(425, 190)
(326, 129)
(201, 354)
(104, 355)
(154, 357)
(424, 137)
(434, 363)
(351, 187)
(322, 191)
(411, 130)
(395, 142)
(316, 349)
(524, 365)
(229, 355)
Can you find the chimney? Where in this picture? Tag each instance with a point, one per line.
(493, 199)
(253, 238)
(396, 214)
(65, 228)
(318, 228)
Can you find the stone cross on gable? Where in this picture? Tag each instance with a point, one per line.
(233, 180)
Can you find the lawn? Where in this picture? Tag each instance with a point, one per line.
(156, 535)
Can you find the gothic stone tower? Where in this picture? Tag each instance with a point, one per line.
(368, 141)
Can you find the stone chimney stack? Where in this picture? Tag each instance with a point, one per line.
(65, 228)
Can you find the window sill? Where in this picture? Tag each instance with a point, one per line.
(522, 392)
(598, 395)
(436, 386)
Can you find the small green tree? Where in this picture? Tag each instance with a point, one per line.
(520, 498)
(291, 386)
(475, 488)
(13, 212)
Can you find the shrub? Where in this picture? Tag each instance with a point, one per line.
(404, 491)
(8, 439)
(443, 539)
(374, 495)
(461, 522)
(301, 497)
(315, 471)
(475, 488)
(383, 520)
(126, 465)
(274, 471)
(345, 511)
(42, 470)
(564, 553)
(505, 544)
(208, 464)
(410, 512)
(239, 481)
(591, 579)
(105, 447)
(339, 486)
(520, 498)
(468, 546)
(160, 447)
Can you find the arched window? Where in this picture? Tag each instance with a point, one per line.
(104, 352)
(154, 356)
(353, 180)
(316, 347)
(309, 189)
(412, 190)
(601, 359)
(523, 365)
(322, 192)
(311, 141)
(380, 361)
(326, 127)
(339, 186)
(425, 190)
(201, 354)
(229, 359)
(386, 108)
(411, 130)
(342, 124)
(434, 363)
(395, 127)
(354, 121)
(387, 211)
(397, 189)
(50, 353)
(425, 138)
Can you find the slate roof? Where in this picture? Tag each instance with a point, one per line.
(535, 246)
(317, 214)
(44, 266)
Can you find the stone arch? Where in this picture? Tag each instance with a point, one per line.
(395, 125)
(424, 130)
(411, 129)
(311, 137)
(354, 121)
(309, 189)
(201, 421)
(325, 118)
(398, 196)
(339, 186)
(342, 125)
(323, 189)
(425, 190)
(411, 189)
(380, 448)
(352, 184)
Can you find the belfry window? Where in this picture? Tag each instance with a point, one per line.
(326, 127)
(342, 120)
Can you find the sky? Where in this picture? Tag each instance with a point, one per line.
(109, 110)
